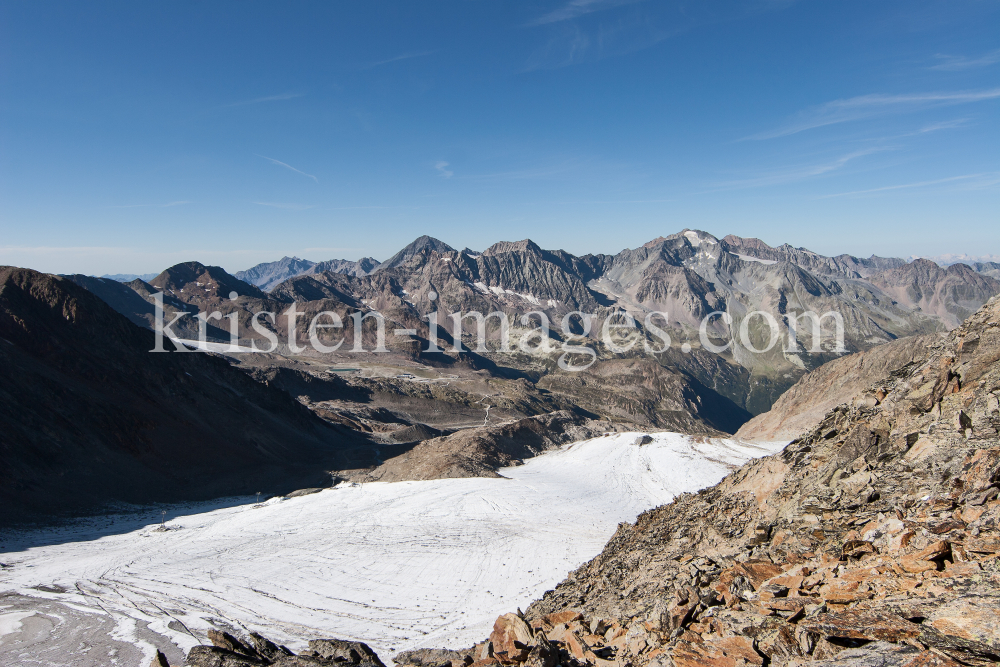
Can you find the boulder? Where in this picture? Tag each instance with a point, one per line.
(434, 657)
(566, 616)
(215, 656)
(230, 643)
(511, 638)
(339, 650)
(965, 627)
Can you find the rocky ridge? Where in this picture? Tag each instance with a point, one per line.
(808, 401)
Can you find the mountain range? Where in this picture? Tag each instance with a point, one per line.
(686, 276)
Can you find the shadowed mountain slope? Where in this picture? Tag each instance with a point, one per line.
(88, 415)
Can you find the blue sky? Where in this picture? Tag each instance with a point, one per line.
(135, 135)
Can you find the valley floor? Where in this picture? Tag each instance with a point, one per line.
(398, 565)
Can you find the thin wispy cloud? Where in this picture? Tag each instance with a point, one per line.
(283, 205)
(404, 56)
(287, 166)
(365, 208)
(868, 106)
(794, 174)
(269, 98)
(167, 205)
(576, 8)
(532, 173)
(956, 63)
(972, 181)
(442, 168)
(943, 125)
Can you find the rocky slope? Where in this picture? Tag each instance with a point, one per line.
(88, 415)
(872, 540)
(480, 452)
(134, 300)
(805, 405)
(362, 267)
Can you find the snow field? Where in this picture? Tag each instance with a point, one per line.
(397, 565)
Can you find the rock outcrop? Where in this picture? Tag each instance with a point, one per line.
(258, 651)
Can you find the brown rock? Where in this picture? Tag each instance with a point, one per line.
(159, 660)
(739, 647)
(967, 624)
(228, 642)
(576, 646)
(881, 654)
(511, 638)
(853, 625)
(844, 592)
(728, 652)
(485, 662)
(759, 571)
(777, 641)
(984, 545)
(857, 549)
(923, 560)
(981, 469)
(566, 616)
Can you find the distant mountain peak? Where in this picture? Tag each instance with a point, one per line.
(421, 244)
(525, 245)
(210, 280)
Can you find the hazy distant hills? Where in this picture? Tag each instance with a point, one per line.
(128, 277)
(270, 274)
(991, 269)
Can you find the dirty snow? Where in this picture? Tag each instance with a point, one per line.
(219, 348)
(399, 565)
(748, 258)
(11, 621)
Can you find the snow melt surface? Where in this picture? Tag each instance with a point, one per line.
(398, 565)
